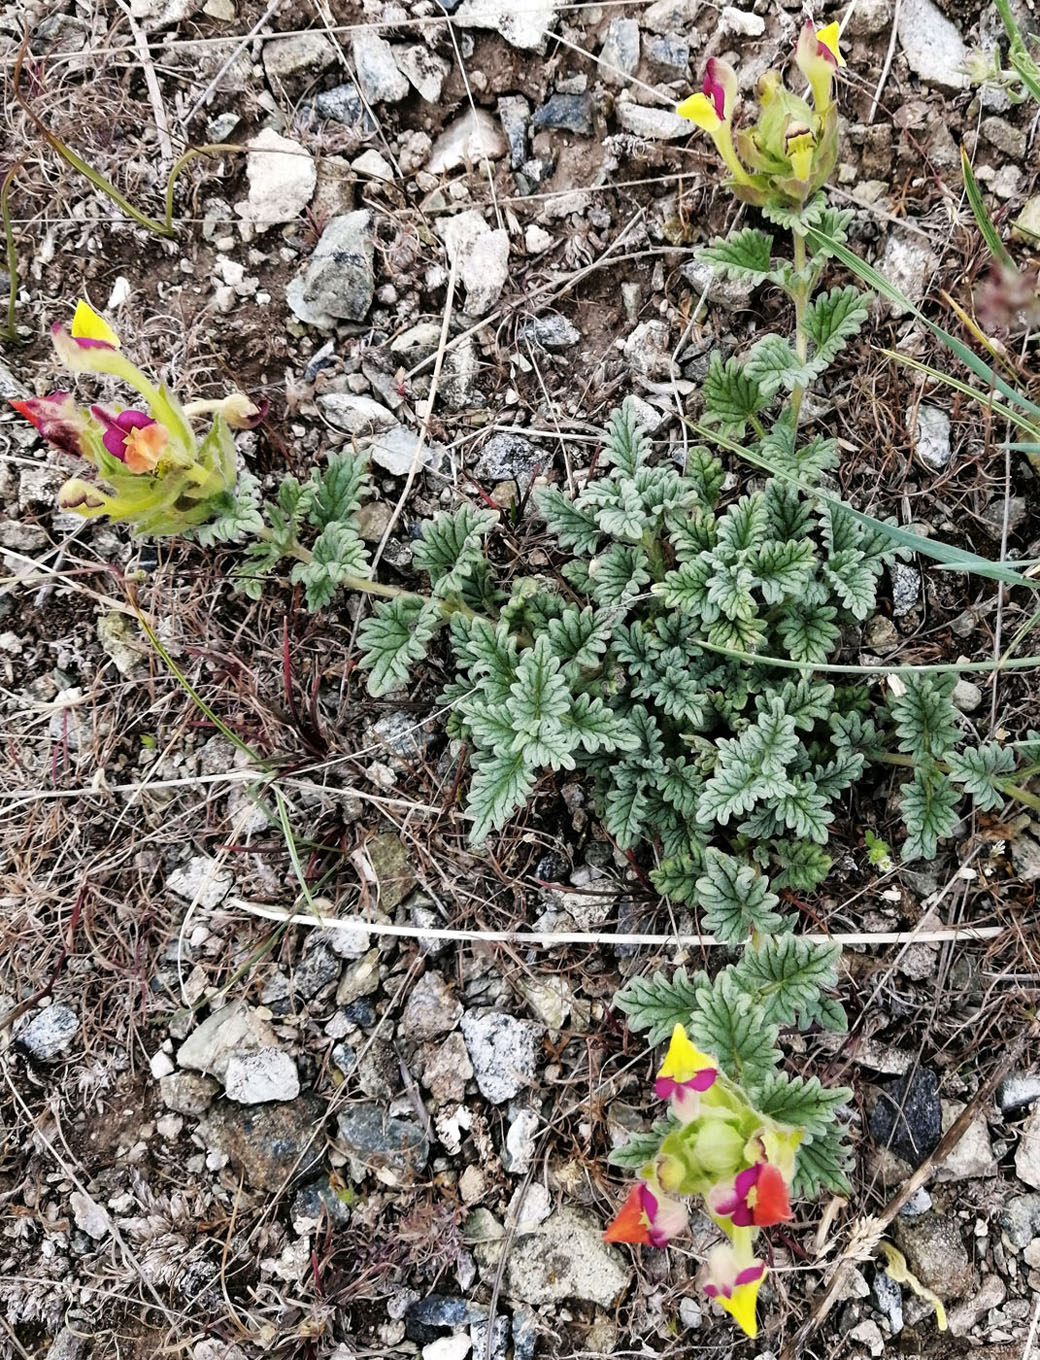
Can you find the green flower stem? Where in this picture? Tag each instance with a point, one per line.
(1006, 786)
(800, 296)
(386, 592)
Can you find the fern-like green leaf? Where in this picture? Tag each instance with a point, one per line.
(627, 445)
(451, 545)
(570, 524)
(925, 718)
(394, 638)
(928, 804)
(833, 318)
(335, 492)
(502, 782)
(786, 975)
(731, 396)
(735, 898)
(745, 254)
(979, 770)
(658, 1003)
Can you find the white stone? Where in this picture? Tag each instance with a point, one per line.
(374, 166)
(536, 239)
(502, 1050)
(1027, 1155)
(973, 1157)
(355, 414)
(297, 53)
(655, 124)
(522, 25)
(267, 1074)
(520, 1143)
(161, 1065)
(281, 175)
(566, 1259)
(377, 72)
(89, 1216)
(932, 45)
(455, 1347)
(932, 441)
(395, 450)
(425, 69)
(474, 137)
(202, 880)
(741, 22)
(966, 696)
(529, 1210)
(481, 257)
(233, 1031)
(909, 264)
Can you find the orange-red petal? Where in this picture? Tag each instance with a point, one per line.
(631, 1224)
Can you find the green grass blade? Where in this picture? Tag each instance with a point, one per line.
(956, 559)
(955, 384)
(968, 357)
(987, 227)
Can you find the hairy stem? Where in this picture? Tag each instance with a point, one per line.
(1006, 786)
(800, 297)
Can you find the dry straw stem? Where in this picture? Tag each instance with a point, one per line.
(867, 1234)
(548, 938)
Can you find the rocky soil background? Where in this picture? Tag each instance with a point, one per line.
(223, 1138)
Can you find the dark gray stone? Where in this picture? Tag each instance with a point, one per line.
(908, 1116)
(318, 969)
(513, 113)
(567, 113)
(377, 1141)
(1020, 1219)
(1018, 1090)
(343, 105)
(426, 1319)
(319, 1201)
(340, 278)
(668, 52)
(552, 332)
(508, 457)
(271, 1143)
(525, 1332)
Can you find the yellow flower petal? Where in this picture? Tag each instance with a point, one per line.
(87, 325)
(829, 37)
(700, 110)
(683, 1061)
(741, 1307)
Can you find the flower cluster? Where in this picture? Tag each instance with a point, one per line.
(155, 474)
(740, 1162)
(790, 152)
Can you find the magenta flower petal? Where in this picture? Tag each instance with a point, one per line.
(750, 1274)
(58, 419)
(80, 340)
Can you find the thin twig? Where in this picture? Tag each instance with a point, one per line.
(548, 938)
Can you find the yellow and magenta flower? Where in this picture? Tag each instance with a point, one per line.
(684, 1074)
(154, 472)
(712, 109)
(133, 437)
(818, 57)
(734, 1283)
